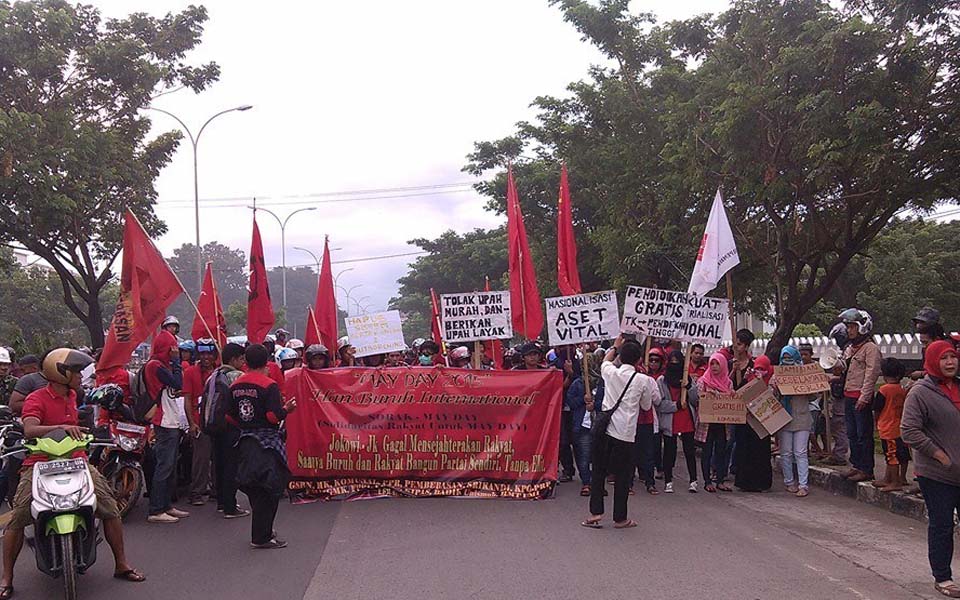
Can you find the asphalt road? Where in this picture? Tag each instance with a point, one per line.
(736, 546)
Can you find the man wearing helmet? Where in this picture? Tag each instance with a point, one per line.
(862, 357)
(298, 347)
(318, 357)
(188, 354)
(347, 352)
(460, 357)
(282, 336)
(50, 408)
(287, 359)
(171, 324)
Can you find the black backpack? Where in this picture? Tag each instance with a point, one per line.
(143, 404)
(215, 402)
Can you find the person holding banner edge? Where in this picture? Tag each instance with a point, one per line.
(677, 420)
(627, 392)
(715, 380)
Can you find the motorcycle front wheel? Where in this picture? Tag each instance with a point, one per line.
(69, 567)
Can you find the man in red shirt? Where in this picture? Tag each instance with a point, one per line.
(163, 377)
(194, 380)
(45, 410)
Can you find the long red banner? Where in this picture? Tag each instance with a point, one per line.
(424, 431)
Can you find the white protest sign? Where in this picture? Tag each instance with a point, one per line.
(583, 318)
(376, 333)
(674, 315)
(476, 316)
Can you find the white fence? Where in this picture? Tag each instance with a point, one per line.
(904, 346)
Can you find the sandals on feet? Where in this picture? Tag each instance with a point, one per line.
(585, 491)
(592, 524)
(625, 524)
(948, 588)
(710, 488)
(653, 491)
(131, 575)
(724, 487)
(6, 592)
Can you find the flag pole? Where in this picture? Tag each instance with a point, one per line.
(217, 308)
(316, 327)
(733, 325)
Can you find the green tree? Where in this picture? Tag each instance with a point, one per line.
(229, 273)
(74, 153)
(819, 124)
(455, 263)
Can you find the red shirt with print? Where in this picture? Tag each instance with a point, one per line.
(194, 379)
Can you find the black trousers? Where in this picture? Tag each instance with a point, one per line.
(943, 503)
(264, 504)
(225, 468)
(670, 455)
(611, 457)
(566, 442)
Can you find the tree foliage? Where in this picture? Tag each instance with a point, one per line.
(818, 123)
(455, 263)
(73, 149)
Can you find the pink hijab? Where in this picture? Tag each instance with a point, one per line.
(717, 383)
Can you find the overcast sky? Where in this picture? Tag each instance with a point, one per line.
(357, 96)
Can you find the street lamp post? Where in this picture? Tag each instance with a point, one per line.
(283, 241)
(194, 140)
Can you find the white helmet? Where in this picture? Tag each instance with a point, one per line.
(861, 317)
(295, 344)
(4, 356)
(170, 320)
(286, 354)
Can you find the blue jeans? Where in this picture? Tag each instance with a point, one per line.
(581, 451)
(165, 443)
(943, 502)
(714, 454)
(860, 435)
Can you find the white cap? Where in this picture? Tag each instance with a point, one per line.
(4, 356)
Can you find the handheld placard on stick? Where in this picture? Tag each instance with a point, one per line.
(476, 355)
(585, 368)
(686, 378)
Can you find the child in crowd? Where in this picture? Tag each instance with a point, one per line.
(888, 406)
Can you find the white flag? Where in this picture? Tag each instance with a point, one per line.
(718, 251)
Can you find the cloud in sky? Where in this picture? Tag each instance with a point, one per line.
(351, 96)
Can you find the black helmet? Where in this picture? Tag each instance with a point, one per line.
(315, 349)
(58, 363)
(109, 397)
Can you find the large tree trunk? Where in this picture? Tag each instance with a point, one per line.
(94, 323)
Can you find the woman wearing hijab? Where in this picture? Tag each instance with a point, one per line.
(795, 436)
(677, 421)
(931, 420)
(751, 455)
(716, 380)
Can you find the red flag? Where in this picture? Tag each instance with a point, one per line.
(209, 321)
(568, 278)
(322, 320)
(494, 347)
(435, 319)
(259, 306)
(524, 296)
(147, 288)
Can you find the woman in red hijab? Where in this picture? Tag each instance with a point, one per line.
(931, 420)
(715, 381)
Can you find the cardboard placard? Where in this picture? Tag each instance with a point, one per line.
(729, 409)
(796, 380)
(583, 318)
(376, 333)
(476, 316)
(675, 315)
(763, 405)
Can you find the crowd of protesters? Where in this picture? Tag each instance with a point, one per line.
(227, 405)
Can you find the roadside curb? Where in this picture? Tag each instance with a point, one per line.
(900, 503)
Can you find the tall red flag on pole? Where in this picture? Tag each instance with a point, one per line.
(494, 347)
(209, 321)
(525, 302)
(435, 319)
(568, 277)
(259, 306)
(322, 320)
(147, 288)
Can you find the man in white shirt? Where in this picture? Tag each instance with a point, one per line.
(613, 451)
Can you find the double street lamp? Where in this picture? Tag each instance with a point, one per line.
(283, 240)
(194, 140)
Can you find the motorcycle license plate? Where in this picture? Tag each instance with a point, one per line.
(131, 428)
(57, 467)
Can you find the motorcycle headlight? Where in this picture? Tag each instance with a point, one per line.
(67, 502)
(127, 444)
